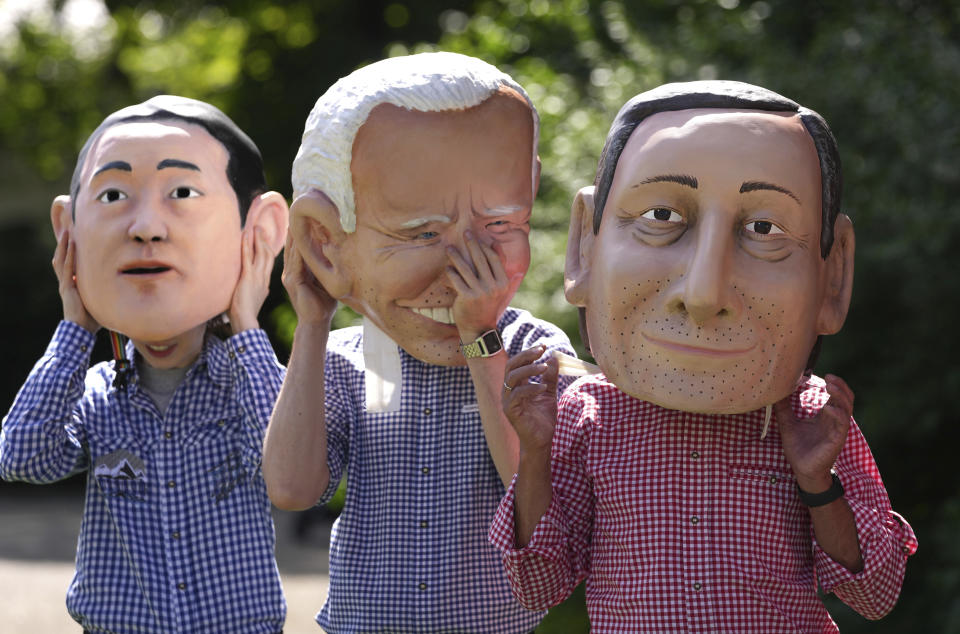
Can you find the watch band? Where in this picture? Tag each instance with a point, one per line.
(486, 345)
(811, 500)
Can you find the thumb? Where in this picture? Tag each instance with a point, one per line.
(784, 410)
(552, 373)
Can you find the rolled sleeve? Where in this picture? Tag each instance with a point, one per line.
(886, 539)
(541, 574)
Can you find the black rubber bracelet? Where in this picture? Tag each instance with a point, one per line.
(811, 500)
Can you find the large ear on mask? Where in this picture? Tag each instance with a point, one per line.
(319, 237)
(269, 213)
(61, 215)
(839, 278)
(580, 241)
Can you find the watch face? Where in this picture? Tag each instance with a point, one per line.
(492, 342)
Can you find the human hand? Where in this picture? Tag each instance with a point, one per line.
(256, 264)
(531, 407)
(64, 265)
(482, 286)
(812, 445)
(311, 301)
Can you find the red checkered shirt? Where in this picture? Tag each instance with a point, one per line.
(684, 522)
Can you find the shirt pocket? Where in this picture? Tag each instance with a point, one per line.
(225, 455)
(468, 449)
(122, 490)
(773, 528)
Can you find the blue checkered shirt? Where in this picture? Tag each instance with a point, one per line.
(409, 553)
(177, 534)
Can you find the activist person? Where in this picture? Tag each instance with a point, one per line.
(413, 189)
(705, 481)
(168, 226)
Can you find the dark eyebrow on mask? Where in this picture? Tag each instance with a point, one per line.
(115, 165)
(752, 186)
(177, 163)
(681, 179)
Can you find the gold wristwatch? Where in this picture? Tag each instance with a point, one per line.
(486, 345)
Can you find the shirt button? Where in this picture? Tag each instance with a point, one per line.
(427, 410)
(425, 470)
(694, 454)
(422, 586)
(231, 355)
(168, 435)
(171, 484)
(694, 520)
(773, 479)
(221, 423)
(181, 586)
(176, 534)
(423, 523)
(83, 348)
(697, 586)
(241, 349)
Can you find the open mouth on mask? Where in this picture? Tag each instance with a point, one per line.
(443, 315)
(146, 270)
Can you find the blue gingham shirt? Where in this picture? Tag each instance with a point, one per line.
(177, 534)
(409, 553)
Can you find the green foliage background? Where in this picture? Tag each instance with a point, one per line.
(883, 73)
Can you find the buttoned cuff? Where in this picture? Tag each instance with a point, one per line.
(71, 342)
(251, 346)
(538, 573)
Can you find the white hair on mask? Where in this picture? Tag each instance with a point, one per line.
(426, 82)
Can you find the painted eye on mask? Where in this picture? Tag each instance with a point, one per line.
(498, 226)
(184, 192)
(662, 214)
(763, 228)
(111, 196)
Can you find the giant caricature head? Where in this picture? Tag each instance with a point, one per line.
(398, 160)
(710, 256)
(160, 196)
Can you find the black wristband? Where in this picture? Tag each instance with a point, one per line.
(811, 500)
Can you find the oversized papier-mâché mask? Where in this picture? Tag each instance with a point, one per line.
(709, 257)
(156, 211)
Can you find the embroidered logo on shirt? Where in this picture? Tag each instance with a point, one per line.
(120, 465)
(121, 474)
(228, 474)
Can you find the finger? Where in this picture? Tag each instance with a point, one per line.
(246, 255)
(464, 268)
(480, 258)
(524, 357)
(60, 253)
(456, 280)
(522, 375)
(262, 257)
(515, 399)
(292, 265)
(494, 260)
(839, 405)
(288, 250)
(552, 373)
(836, 385)
(69, 263)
